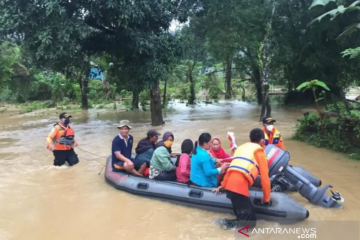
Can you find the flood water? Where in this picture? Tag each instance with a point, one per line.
(40, 201)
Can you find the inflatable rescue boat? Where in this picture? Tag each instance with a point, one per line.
(282, 208)
(284, 177)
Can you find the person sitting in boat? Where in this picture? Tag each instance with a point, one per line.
(183, 162)
(121, 151)
(272, 135)
(161, 166)
(249, 161)
(145, 148)
(203, 171)
(216, 150)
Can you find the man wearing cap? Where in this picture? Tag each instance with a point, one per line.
(272, 135)
(61, 141)
(145, 148)
(121, 151)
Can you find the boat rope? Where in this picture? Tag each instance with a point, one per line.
(90, 154)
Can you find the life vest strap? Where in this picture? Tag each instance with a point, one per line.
(246, 159)
(244, 169)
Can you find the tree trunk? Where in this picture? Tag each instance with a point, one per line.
(83, 82)
(135, 99)
(243, 93)
(265, 106)
(257, 78)
(190, 79)
(164, 96)
(155, 106)
(192, 91)
(268, 106)
(228, 78)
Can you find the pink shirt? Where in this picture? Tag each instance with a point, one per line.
(183, 170)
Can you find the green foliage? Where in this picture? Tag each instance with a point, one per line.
(340, 135)
(144, 97)
(36, 106)
(351, 52)
(210, 82)
(9, 55)
(313, 85)
(320, 2)
(6, 95)
(66, 35)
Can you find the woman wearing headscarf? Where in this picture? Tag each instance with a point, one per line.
(203, 172)
(161, 166)
(183, 162)
(216, 151)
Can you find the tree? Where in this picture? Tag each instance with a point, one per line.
(234, 33)
(52, 34)
(63, 35)
(348, 24)
(9, 56)
(264, 62)
(194, 52)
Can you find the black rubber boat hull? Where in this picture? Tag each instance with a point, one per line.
(283, 209)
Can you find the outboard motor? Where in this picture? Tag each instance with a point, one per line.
(284, 177)
(283, 184)
(308, 175)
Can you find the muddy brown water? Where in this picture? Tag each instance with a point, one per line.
(40, 201)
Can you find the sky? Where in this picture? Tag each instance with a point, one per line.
(174, 24)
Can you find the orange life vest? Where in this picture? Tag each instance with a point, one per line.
(64, 137)
(245, 162)
(276, 137)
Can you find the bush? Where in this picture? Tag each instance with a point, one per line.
(337, 135)
(6, 95)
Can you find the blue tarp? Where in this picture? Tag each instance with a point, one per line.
(95, 73)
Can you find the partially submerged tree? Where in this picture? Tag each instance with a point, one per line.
(194, 52)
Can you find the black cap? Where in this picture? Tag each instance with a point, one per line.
(268, 119)
(152, 133)
(64, 115)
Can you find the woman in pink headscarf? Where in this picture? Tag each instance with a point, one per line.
(216, 151)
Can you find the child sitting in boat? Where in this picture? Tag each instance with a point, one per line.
(183, 162)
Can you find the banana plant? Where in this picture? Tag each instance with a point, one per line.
(314, 85)
(336, 12)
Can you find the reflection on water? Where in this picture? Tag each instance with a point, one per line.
(40, 201)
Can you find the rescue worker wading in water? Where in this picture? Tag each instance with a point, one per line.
(272, 135)
(61, 141)
(249, 161)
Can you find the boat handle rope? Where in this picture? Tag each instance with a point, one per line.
(90, 154)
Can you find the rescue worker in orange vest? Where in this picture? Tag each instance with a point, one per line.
(249, 161)
(272, 135)
(61, 141)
